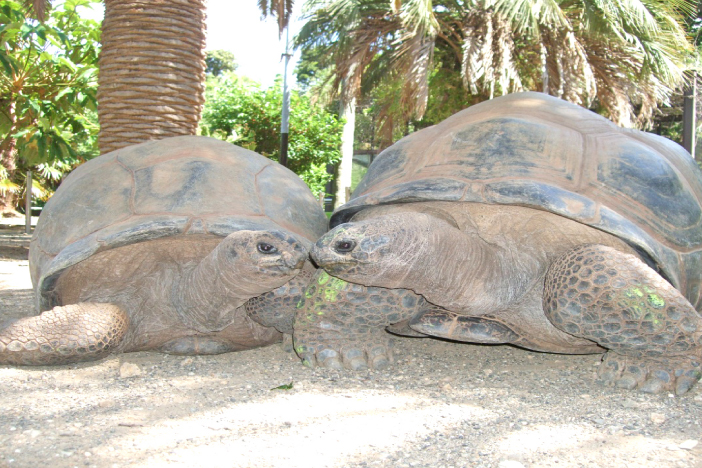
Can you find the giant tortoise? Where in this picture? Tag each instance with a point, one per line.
(524, 220)
(187, 245)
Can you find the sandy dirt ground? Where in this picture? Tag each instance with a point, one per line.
(442, 405)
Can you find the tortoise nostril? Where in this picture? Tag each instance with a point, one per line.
(344, 246)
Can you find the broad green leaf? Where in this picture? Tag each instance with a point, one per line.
(283, 387)
(63, 92)
(8, 64)
(67, 63)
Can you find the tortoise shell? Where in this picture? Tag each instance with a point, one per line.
(173, 187)
(535, 150)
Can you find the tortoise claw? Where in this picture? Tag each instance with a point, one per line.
(329, 359)
(653, 385)
(647, 375)
(685, 383)
(354, 359)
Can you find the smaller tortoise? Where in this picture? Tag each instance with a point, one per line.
(187, 245)
(524, 220)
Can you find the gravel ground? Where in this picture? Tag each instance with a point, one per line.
(442, 405)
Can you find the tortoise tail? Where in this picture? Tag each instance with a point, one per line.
(63, 335)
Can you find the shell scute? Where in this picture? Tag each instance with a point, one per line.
(99, 202)
(178, 187)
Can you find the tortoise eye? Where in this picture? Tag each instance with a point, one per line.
(344, 246)
(266, 248)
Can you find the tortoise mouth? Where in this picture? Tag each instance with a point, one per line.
(282, 268)
(332, 266)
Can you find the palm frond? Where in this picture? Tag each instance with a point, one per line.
(528, 16)
(489, 54)
(418, 17)
(281, 10)
(7, 186)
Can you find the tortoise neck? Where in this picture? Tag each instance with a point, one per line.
(462, 272)
(210, 294)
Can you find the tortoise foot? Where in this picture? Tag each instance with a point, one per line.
(375, 352)
(64, 335)
(653, 334)
(342, 325)
(287, 343)
(649, 376)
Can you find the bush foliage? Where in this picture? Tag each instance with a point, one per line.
(240, 112)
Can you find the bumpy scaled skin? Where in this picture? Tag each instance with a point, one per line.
(653, 334)
(54, 338)
(322, 332)
(276, 309)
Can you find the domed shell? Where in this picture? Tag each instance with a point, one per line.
(176, 186)
(534, 150)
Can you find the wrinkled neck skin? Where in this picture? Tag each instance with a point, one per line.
(210, 293)
(456, 270)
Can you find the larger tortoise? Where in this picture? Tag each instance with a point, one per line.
(524, 220)
(187, 245)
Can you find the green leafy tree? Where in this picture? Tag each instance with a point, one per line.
(241, 112)
(219, 61)
(47, 93)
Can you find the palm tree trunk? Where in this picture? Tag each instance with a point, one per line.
(152, 70)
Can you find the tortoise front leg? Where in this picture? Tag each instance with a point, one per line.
(341, 324)
(63, 335)
(652, 333)
(277, 308)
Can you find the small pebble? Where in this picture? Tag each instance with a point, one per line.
(128, 370)
(688, 444)
(658, 418)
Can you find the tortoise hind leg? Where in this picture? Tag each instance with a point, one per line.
(652, 333)
(63, 335)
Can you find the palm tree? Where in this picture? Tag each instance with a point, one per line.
(353, 36)
(624, 57)
(152, 67)
(152, 71)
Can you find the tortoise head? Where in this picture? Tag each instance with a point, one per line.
(261, 260)
(375, 252)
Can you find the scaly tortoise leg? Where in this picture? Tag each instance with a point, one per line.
(340, 324)
(652, 333)
(63, 335)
